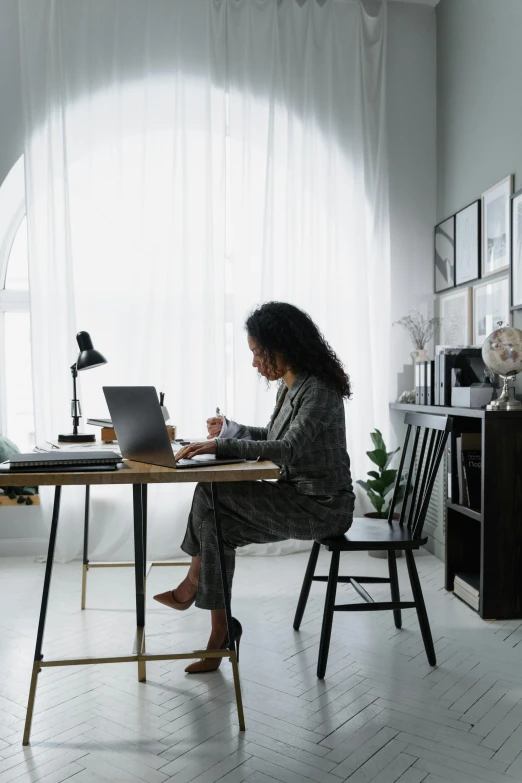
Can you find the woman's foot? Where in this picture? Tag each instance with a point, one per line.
(181, 598)
(218, 641)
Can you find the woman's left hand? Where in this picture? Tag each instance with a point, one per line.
(187, 452)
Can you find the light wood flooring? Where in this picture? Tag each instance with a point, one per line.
(381, 715)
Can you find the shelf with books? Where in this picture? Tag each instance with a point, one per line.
(467, 588)
(485, 539)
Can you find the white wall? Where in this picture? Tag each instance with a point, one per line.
(412, 156)
(412, 163)
(11, 118)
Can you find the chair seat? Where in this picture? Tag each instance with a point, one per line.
(367, 533)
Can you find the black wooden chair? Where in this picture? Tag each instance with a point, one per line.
(424, 452)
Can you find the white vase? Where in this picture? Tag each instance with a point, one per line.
(420, 355)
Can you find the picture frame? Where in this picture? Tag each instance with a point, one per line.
(490, 305)
(468, 243)
(496, 227)
(516, 251)
(444, 255)
(455, 315)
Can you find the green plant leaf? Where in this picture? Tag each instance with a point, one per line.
(363, 484)
(373, 474)
(377, 456)
(376, 501)
(377, 440)
(390, 455)
(378, 486)
(389, 477)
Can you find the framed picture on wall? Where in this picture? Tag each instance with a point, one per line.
(467, 244)
(490, 305)
(455, 315)
(444, 241)
(496, 225)
(516, 250)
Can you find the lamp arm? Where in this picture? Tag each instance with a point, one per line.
(76, 410)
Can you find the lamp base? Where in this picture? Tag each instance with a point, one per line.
(80, 437)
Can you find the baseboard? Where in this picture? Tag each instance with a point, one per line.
(23, 547)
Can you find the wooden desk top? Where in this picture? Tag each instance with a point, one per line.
(141, 473)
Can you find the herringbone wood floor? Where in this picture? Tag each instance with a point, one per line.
(381, 715)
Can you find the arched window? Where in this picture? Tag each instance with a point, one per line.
(16, 388)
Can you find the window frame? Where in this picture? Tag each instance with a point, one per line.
(12, 213)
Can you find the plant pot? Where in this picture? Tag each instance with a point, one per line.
(382, 553)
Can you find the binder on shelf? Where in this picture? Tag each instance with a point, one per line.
(430, 376)
(422, 382)
(436, 380)
(417, 383)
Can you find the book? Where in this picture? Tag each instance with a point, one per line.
(463, 495)
(472, 472)
(467, 587)
(100, 422)
(436, 381)
(58, 459)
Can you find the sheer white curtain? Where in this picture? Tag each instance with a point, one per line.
(184, 162)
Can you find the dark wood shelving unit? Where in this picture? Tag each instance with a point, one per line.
(469, 512)
(488, 542)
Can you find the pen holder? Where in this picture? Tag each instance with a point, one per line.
(108, 434)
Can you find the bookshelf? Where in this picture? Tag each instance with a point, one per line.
(484, 546)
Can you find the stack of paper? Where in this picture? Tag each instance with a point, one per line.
(466, 586)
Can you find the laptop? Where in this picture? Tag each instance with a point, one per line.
(140, 428)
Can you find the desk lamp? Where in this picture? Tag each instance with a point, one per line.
(87, 358)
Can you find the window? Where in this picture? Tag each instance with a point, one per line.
(16, 388)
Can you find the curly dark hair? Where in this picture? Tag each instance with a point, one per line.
(282, 328)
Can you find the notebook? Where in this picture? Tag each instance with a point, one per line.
(66, 460)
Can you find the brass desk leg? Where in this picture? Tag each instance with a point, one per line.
(43, 613)
(237, 688)
(228, 610)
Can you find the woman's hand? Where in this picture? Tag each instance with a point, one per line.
(187, 452)
(214, 426)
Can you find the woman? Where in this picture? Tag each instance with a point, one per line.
(306, 437)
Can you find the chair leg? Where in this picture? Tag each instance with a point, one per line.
(421, 608)
(329, 605)
(394, 585)
(307, 583)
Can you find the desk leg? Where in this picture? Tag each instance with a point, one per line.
(43, 613)
(228, 611)
(85, 543)
(139, 570)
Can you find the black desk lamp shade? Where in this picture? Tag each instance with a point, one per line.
(87, 358)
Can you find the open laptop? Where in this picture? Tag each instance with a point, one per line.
(140, 428)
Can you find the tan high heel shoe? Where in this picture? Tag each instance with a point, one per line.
(168, 599)
(212, 664)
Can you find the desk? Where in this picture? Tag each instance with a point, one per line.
(139, 475)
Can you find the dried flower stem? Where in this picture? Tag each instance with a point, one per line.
(420, 329)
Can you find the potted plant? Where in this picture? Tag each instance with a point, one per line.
(381, 483)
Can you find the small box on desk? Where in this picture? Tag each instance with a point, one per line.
(471, 396)
(108, 434)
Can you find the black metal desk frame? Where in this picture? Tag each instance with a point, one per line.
(140, 564)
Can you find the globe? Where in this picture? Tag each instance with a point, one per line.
(502, 354)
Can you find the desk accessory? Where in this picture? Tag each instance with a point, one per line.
(502, 354)
(87, 359)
